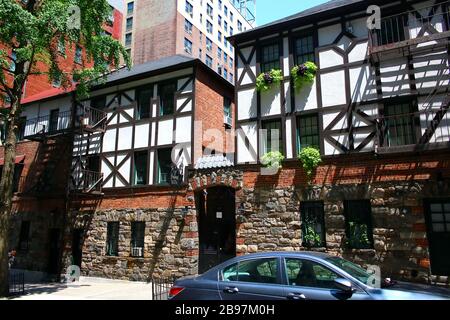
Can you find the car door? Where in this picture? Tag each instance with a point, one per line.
(253, 279)
(310, 280)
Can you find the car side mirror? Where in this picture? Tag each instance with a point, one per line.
(344, 285)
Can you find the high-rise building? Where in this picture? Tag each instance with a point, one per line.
(155, 29)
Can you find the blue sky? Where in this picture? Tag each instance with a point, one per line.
(267, 10)
(270, 10)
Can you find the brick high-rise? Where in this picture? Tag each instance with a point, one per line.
(156, 29)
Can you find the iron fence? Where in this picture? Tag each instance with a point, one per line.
(87, 181)
(49, 124)
(161, 287)
(16, 283)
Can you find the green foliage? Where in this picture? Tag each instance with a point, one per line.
(311, 238)
(265, 80)
(303, 74)
(272, 159)
(358, 236)
(34, 29)
(310, 159)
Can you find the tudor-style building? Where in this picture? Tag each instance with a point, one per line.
(377, 111)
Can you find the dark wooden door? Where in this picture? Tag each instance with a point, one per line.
(217, 226)
(54, 250)
(438, 230)
(77, 246)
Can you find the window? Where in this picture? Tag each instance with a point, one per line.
(56, 82)
(21, 130)
(128, 39)
(270, 57)
(200, 54)
(208, 44)
(187, 46)
(137, 239)
(306, 273)
(187, 26)
(140, 168)
(399, 125)
(304, 50)
(144, 97)
(225, 73)
(231, 16)
(440, 216)
(98, 102)
(53, 120)
(392, 30)
(219, 68)
(313, 227)
(129, 24)
(130, 8)
(209, 61)
(225, 58)
(112, 239)
(164, 165)
(225, 11)
(273, 128)
(219, 20)
(358, 224)
(61, 46)
(257, 271)
(201, 37)
(24, 236)
(167, 98)
(189, 8)
(219, 53)
(227, 107)
(219, 36)
(231, 78)
(201, 18)
(231, 62)
(231, 31)
(219, 4)
(78, 55)
(209, 11)
(209, 27)
(308, 131)
(239, 26)
(225, 26)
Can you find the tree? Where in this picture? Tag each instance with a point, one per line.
(30, 31)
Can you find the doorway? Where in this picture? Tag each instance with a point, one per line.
(54, 251)
(437, 217)
(77, 247)
(217, 226)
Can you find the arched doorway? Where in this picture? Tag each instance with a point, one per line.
(216, 210)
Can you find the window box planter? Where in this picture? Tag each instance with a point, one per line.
(272, 159)
(303, 74)
(266, 80)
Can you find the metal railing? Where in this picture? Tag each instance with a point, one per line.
(87, 181)
(16, 283)
(161, 287)
(408, 129)
(93, 119)
(407, 26)
(49, 124)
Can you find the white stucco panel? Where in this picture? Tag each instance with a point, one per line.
(270, 101)
(358, 53)
(125, 137)
(109, 140)
(362, 84)
(183, 130)
(165, 132)
(306, 97)
(330, 58)
(288, 134)
(188, 106)
(246, 104)
(333, 88)
(327, 35)
(243, 153)
(141, 135)
(246, 53)
(124, 170)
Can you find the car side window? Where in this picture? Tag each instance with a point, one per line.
(257, 271)
(306, 273)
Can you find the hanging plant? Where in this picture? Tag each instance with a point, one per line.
(310, 159)
(303, 74)
(272, 159)
(265, 80)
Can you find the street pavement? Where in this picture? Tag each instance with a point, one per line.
(88, 289)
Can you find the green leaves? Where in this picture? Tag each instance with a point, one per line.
(266, 80)
(310, 159)
(303, 74)
(272, 159)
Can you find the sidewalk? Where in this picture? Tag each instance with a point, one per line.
(88, 289)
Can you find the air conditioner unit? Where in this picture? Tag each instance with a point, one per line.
(228, 120)
(136, 252)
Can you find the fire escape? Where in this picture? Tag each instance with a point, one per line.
(418, 35)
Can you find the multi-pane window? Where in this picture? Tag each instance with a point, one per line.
(231, 16)
(130, 8)
(128, 39)
(137, 238)
(313, 227)
(78, 54)
(225, 73)
(225, 11)
(144, 96)
(239, 26)
(225, 26)
(231, 62)
(187, 26)
(164, 165)
(219, 4)
(219, 68)
(189, 8)
(358, 224)
(304, 50)
(227, 106)
(225, 58)
(440, 216)
(273, 128)
(140, 168)
(24, 236)
(219, 20)
(209, 11)
(270, 57)
(399, 125)
(167, 98)
(219, 36)
(209, 27)
(129, 24)
(231, 31)
(209, 61)
(308, 131)
(112, 239)
(219, 53)
(208, 44)
(187, 46)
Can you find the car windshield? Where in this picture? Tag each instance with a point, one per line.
(353, 269)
